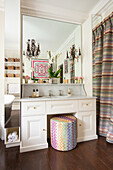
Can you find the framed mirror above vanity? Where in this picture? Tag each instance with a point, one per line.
(51, 51)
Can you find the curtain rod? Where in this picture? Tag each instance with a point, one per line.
(104, 20)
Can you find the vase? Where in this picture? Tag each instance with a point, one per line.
(54, 80)
(26, 80)
(81, 81)
(76, 81)
(30, 81)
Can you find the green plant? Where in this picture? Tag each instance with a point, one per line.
(53, 74)
(34, 78)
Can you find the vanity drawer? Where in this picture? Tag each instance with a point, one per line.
(33, 108)
(56, 107)
(86, 105)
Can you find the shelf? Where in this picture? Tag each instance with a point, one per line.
(12, 77)
(11, 70)
(7, 132)
(12, 62)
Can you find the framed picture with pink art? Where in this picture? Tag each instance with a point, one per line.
(40, 69)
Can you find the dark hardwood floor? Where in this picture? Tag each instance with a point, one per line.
(92, 155)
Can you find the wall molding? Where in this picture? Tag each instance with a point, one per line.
(49, 15)
(87, 139)
(101, 7)
(31, 148)
(52, 12)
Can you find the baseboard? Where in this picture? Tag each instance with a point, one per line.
(12, 145)
(33, 147)
(83, 139)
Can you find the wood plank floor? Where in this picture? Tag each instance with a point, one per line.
(92, 155)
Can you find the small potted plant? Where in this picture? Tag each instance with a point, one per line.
(81, 80)
(53, 76)
(76, 80)
(26, 78)
(34, 79)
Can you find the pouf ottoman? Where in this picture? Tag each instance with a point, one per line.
(63, 132)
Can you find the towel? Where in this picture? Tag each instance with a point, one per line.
(14, 133)
(9, 136)
(12, 137)
(13, 88)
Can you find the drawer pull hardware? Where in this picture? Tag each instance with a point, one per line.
(44, 130)
(34, 107)
(86, 104)
(80, 125)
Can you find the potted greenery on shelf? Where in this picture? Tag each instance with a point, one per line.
(34, 79)
(53, 76)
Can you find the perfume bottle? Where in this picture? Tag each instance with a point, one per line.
(37, 93)
(33, 94)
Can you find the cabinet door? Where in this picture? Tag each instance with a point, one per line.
(33, 130)
(86, 125)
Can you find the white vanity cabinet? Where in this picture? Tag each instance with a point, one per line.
(33, 126)
(86, 120)
(86, 127)
(34, 120)
(33, 130)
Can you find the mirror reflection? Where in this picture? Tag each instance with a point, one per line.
(51, 51)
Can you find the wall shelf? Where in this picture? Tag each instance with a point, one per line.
(11, 70)
(12, 77)
(12, 62)
(7, 132)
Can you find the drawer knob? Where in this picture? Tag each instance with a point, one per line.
(34, 107)
(80, 125)
(86, 104)
(44, 130)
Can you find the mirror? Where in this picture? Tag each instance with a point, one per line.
(50, 46)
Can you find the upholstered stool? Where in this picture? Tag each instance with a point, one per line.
(63, 132)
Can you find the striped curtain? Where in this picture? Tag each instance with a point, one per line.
(103, 76)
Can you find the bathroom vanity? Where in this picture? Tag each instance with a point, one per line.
(66, 56)
(34, 114)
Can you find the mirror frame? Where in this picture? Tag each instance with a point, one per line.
(50, 17)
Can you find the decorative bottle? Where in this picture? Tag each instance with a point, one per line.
(33, 94)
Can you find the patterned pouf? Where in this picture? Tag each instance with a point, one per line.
(63, 132)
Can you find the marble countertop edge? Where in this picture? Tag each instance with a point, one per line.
(47, 98)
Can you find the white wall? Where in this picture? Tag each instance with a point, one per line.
(12, 24)
(103, 8)
(12, 37)
(1, 67)
(87, 55)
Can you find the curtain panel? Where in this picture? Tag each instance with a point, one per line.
(103, 76)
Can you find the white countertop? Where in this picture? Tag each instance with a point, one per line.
(46, 98)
